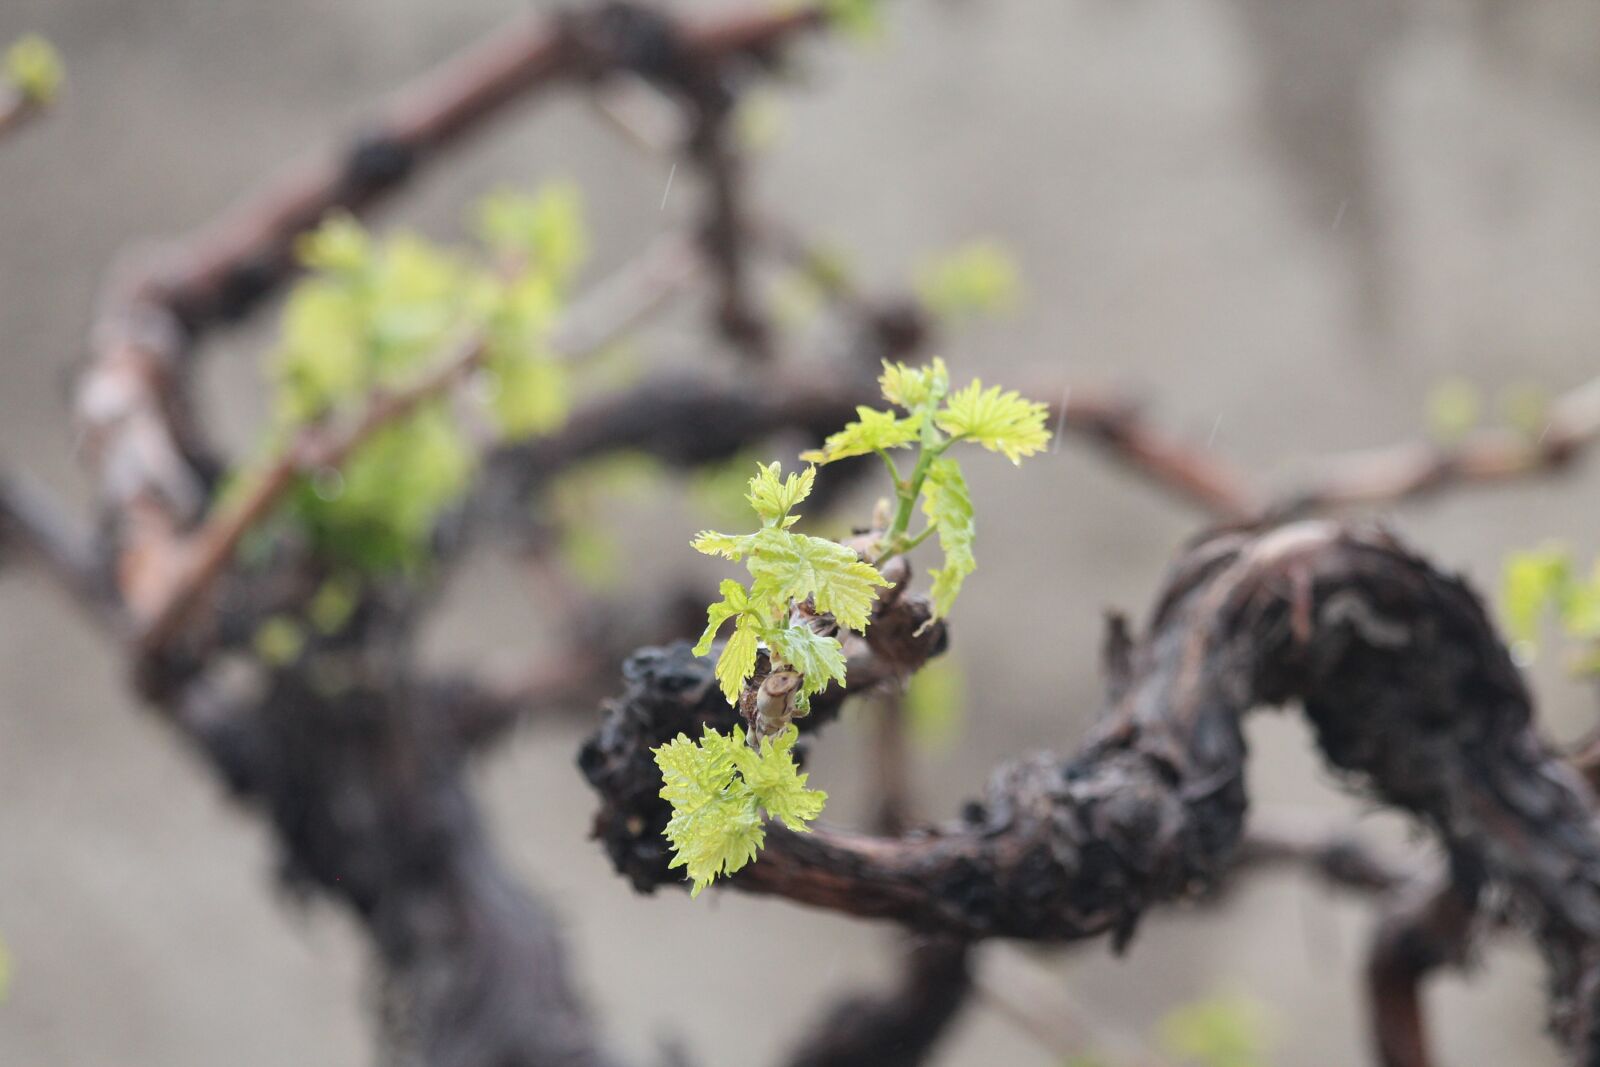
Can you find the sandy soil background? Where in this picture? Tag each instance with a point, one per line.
(1280, 220)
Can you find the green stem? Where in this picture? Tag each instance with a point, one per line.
(894, 539)
(894, 472)
(908, 498)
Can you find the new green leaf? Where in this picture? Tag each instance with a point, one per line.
(738, 660)
(728, 546)
(785, 568)
(948, 507)
(1226, 1031)
(778, 784)
(719, 789)
(797, 566)
(876, 431)
(546, 229)
(715, 827)
(915, 387)
(818, 658)
(999, 421)
(773, 496)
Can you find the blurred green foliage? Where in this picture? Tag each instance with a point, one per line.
(33, 68)
(859, 20)
(933, 703)
(1217, 1031)
(1544, 583)
(279, 640)
(377, 314)
(1220, 1031)
(971, 281)
(718, 489)
(1456, 406)
(577, 502)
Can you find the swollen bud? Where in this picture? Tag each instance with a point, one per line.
(774, 704)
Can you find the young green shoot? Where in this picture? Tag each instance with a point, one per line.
(804, 592)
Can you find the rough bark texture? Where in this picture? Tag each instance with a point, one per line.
(367, 794)
(1409, 691)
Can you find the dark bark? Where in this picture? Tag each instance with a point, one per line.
(898, 1028)
(1409, 690)
(369, 804)
(1426, 930)
(684, 421)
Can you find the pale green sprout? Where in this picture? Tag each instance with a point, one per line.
(822, 272)
(934, 419)
(794, 578)
(785, 568)
(718, 489)
(759, 120)
(1456, 406)
(33, 68)
(528, 389)
(1525, 407)
(579, 499)
(722, 791)
(334, 603)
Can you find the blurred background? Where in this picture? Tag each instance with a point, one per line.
(1282, 222)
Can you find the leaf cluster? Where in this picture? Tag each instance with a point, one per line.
(931, 418)
(785, 568)
(722, 792)
(374, 314)
(797, 580)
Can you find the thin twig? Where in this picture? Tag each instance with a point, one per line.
(725, 235)
(1196, 474)
(1277, 838)
(1407, 471)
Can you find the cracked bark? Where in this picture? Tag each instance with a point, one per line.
(1411, 695)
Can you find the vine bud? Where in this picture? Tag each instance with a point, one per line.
(775, 702)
